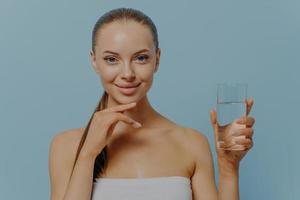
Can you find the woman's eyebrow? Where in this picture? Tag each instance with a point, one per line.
(140, 51)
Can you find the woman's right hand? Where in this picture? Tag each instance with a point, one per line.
(102, 126)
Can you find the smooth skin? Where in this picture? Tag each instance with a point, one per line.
(180, 151)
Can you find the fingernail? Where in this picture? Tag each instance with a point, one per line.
(136, 125)
(239, 137)
(240, 120)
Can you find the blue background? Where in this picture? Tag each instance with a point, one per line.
(48, 85)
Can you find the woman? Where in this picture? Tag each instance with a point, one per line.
(128, 150)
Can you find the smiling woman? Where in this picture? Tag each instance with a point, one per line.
(128, 150)
(126, 55)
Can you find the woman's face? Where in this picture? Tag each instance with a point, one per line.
(125, 58)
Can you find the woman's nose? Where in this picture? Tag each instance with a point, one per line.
(128, 72)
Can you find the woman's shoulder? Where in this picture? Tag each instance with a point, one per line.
(194, 145)
(69, 136)
(195, 142)
(187, 135)
(62, 152)
(67, 141)
(194, 135)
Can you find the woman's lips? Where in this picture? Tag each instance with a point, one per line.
(128, 90)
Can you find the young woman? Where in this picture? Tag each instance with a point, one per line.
(128, 150)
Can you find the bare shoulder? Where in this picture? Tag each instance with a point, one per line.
(187, 132)
(196, 143)
(195, 137)
(64, 144)
(69, 135)
(62, 152)
(66, 141)
(203, 179)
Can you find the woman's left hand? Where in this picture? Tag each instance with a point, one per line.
(231, 158)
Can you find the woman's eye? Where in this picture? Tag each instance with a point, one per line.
(142, 58)
(110, 60)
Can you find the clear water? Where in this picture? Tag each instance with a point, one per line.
(227, 112)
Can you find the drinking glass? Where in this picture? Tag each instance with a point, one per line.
(231, 105)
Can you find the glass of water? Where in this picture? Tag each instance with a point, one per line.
(231, 105)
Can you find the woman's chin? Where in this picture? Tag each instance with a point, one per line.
(124, 99)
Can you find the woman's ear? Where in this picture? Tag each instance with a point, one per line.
(157, 59)
(93, 61)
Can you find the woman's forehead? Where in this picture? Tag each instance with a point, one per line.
(126, 37)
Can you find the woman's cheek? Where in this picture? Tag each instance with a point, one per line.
(146, 73)
(146, 77)
(108, 75)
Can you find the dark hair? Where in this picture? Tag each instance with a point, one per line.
(111, 16)
(123, 14)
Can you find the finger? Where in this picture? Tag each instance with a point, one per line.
(248, 132)
(221, 145)
(246, 142)
(231, 146)
(249, 104)
(249, 146)
(236, 147)
(120, 108)
(213, 118)
(214, 123)
(231, 141)
(121, 117)
(247, 120)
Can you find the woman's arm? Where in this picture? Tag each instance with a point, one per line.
(229, 160)
(61, 157)
(203, 179)
(228, 181)
(63, 151)
(81, 182)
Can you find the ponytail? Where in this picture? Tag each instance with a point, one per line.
(101, 159)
